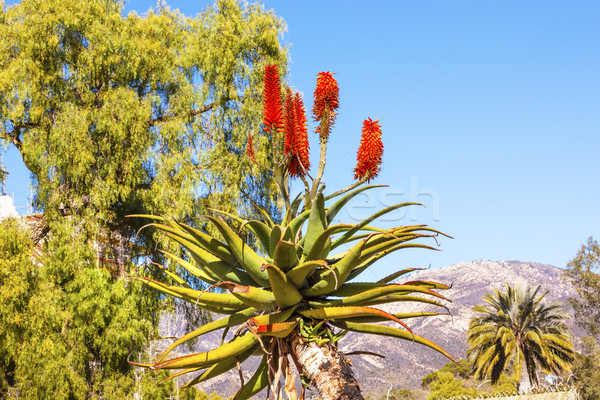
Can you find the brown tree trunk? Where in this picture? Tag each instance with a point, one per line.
(327, 368)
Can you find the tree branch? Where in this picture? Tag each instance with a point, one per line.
(142, 186)
(192, 113)
(260, 165)
(14, 135)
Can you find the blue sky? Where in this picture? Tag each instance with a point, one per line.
(490, 112)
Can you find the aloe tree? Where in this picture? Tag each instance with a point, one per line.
(518, 330)
(293, 296)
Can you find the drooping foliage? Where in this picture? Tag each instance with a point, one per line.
(147, 113)
(297, 282)
(66, 329)
(113, 115)
(517, 330)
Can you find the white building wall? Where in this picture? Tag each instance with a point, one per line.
(7, 208)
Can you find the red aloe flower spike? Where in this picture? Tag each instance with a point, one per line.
(368, 157)
(326, 102)
(250, 147)
(272, 108)
(327, 91)
(302, 145)
(296, 135)
(289, 124)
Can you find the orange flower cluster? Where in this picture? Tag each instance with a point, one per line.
(289, 119)
(272, 108)
(326, 102)
(250, 147)
(296, 135)
(289, 122)
(368, 157)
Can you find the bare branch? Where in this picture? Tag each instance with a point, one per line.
(192, 113)
(260, 165)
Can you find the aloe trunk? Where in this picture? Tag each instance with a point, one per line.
(327, 368)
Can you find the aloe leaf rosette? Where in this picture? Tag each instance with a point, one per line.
(298, 276)
(292, 281)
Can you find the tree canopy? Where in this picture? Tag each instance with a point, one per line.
(587, 370)
(65, 331)
(517, 329)
(583, 272)
(115, 115)
(457, 379)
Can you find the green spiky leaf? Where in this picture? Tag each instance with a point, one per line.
(258, 382)
(390, 332)
(211, 357)
(249, 260)
(286, 294)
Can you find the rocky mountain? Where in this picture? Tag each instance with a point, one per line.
(406, 363)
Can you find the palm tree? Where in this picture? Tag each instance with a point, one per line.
(517, 329)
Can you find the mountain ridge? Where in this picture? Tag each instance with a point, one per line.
(470, 282)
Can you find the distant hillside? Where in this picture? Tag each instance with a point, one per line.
(406, 363)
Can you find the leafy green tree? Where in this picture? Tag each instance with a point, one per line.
(586, 371)
(520, 331)
(51, 330)
(66, 329)
(583, 273)
(463, 382)
(446, 385)
(18, 283)
(115, 115)
(459, 368)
